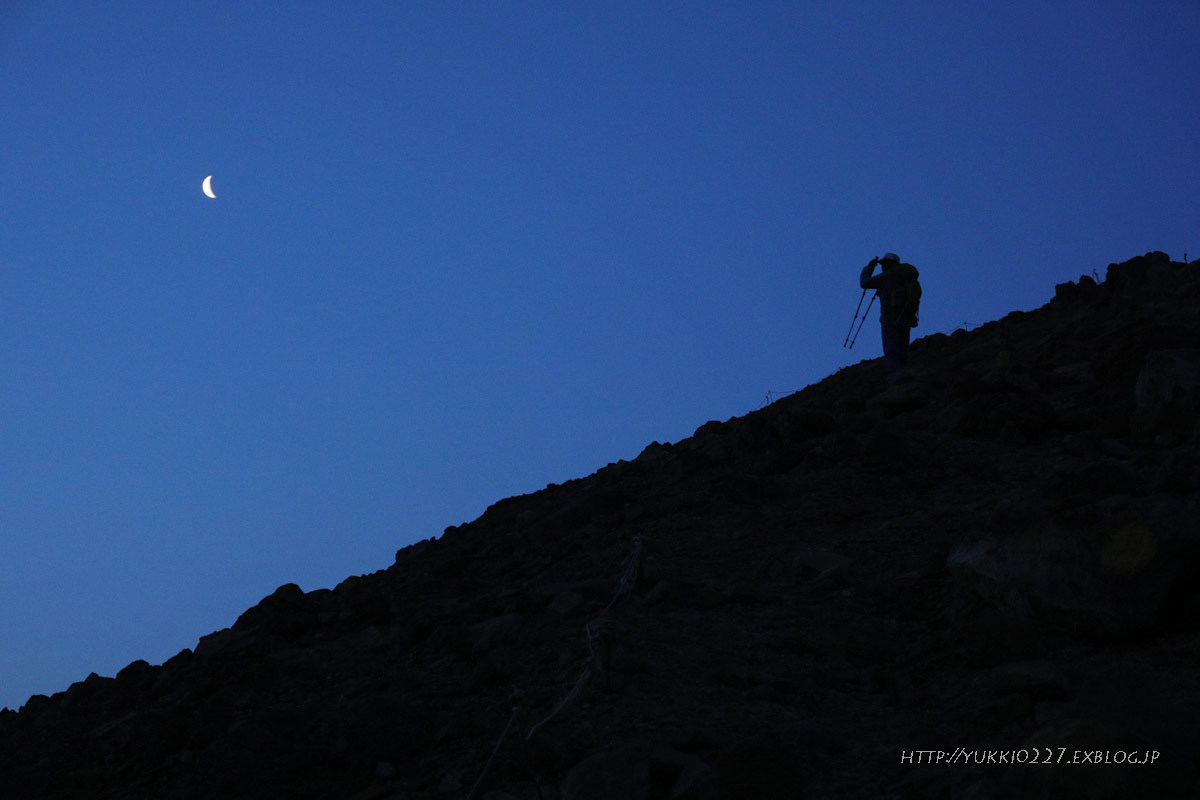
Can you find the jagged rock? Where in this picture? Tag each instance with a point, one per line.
(821, 565)
(227, 643)
(136, 675)
(801, 423)
(566, 602)
(492, 631)
(288, 611)
(1168, 395)
(902, 397)
(1092, 481)
(689, 777)
(890, 448)
(1130, 277)
(976, 352)
(1074, 374)
(1013, 417)
(1039, 680)
(761, 769)
(641, 773)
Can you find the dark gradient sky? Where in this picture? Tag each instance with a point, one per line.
(463, 250)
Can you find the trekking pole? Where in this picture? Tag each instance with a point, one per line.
(860, 299)
(864, 319)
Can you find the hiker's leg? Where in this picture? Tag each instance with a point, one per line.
(903, 332)
(892, 344)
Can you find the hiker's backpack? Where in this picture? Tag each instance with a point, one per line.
(912, 291)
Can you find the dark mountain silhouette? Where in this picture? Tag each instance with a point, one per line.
(994, 552)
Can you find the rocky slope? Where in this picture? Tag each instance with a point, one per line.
(995, 550)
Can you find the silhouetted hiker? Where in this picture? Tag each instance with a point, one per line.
(899, 300)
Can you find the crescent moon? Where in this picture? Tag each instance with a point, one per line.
(208, 187)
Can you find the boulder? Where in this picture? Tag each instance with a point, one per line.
(761, 769)
(909, 390)
(901, 397)
(1130, 277)
(801, 423)
(1168, 394)
(620, 772)
(564, 603)
(1003, 417)
(229, 643)
(1038, 680)
(820, 564)
(1113, 578)
(287, 611)
(1096, 480)
(492, 631)
(637, 772)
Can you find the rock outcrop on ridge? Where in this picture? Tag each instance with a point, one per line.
(918, 586)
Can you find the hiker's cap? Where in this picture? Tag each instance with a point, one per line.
(890, 257)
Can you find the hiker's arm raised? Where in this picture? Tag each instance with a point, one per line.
(866, 281)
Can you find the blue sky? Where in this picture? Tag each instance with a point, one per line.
(463, 250)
